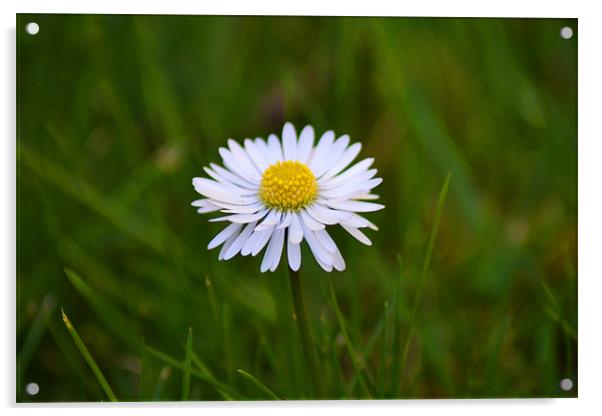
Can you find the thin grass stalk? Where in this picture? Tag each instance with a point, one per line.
(425, 267)
(357, 368)
(187, 367)
(300, 318)
(259, 384)
(89, 359)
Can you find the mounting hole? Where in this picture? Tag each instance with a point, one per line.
(566, 384)
(32, 28)
(32, 389)
(566, 32)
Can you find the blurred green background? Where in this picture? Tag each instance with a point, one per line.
(116, 114)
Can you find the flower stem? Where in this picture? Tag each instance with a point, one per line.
(301, 319)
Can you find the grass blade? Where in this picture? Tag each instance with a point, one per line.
(397, 331)
(259, 384)
(71, 359)
(111, 316)
(80, 190)
(187, 367)
(566, 327)
(425, 266)
(350, 350)
(222, 388)
(89, 359)
(380, 333)
(553, 311)
(34, 336)
(161, 381)
(433, 236)
(300, 318)
(226, 392)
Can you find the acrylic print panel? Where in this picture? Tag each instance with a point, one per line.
(395, 215)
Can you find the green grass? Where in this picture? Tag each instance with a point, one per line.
(187, 367)
(269, 393)
(469, 288)
(81, 346)
(351, 351)
(421, 278)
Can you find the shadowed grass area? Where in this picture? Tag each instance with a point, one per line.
(469, 288)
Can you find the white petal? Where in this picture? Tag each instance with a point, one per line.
(201, 203)
(238, 209)
(372, 226)
(241, 218)
(360, 236)
(250, 188)
(358, 221)
(262, 240)
(215, 190)
(205, 206)
(249, 245)
(233, 178)
(286, 220)
(235, 189)
(319, 252)
(326, 267)
(205, 210)
(350, 154)
(264, 150)
(356, 206)
(321, 152)
(368, 197)
(336, 183)
(354, 187)
(243, 158)
(275, 148)
(289, 142)
(372, 183)
(335, 153)
(295, 232)
(272, 219)
(255, 155)
(357, 194)
(234, 164)
(273, 251)
(338, 261)
(326, 215)
(309, 222)
(226, 246)
(279, 247)
(326, 241)
(306, 142)
(223, 235)
(356, 169)
(294, 255)
(240, 241)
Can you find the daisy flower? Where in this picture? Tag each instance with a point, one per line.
(279, 192)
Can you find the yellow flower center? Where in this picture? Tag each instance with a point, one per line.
(288, 186)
